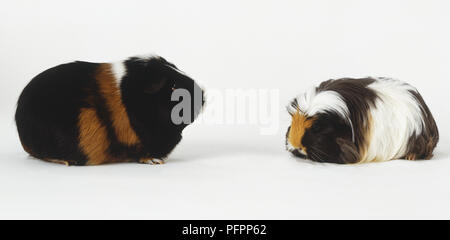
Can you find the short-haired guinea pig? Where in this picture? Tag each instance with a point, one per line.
(361, 120)
(84, 113)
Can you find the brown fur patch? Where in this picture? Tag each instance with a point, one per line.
(111, 93)
(366, 128)
(421, 146)
(349, 153)
(298, 127)
(93, 137)
(358, 99)
(411, 157)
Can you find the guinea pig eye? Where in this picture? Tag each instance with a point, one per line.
(174, 87)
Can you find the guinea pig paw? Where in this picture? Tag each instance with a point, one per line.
(157, 161)
(411, 157)
(152, 161)
(58, 161)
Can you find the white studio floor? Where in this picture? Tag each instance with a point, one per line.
(230, 171)
(229, 178)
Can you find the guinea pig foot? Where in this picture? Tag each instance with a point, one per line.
(58, 161)
(411, 157)
(152, 161)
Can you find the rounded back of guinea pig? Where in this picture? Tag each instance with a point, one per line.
(352, 120)
(148, 88)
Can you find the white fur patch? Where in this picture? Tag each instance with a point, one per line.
(146, 57)
(396, 116)
(119, 70)
(289, 146)
(313, 102)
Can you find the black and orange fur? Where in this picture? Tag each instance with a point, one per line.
(328, 137)
(79, 114)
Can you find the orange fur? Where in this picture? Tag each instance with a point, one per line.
(111, 93)
(300, 123)
(93, 137)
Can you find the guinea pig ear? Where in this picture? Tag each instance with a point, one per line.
(349, 153)
(155, 85)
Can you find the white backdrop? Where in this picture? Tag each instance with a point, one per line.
(230, 171)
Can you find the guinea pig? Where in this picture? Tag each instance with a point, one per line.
(351, 120)
(84, 113)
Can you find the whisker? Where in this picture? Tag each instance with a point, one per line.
(318, 153)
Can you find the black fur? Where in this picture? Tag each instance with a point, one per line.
(49, 106)
(333, 139)
(321, 140)
(158, 134)
(330, 138)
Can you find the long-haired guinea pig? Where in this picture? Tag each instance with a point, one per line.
(361, 120)
(84, 113)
